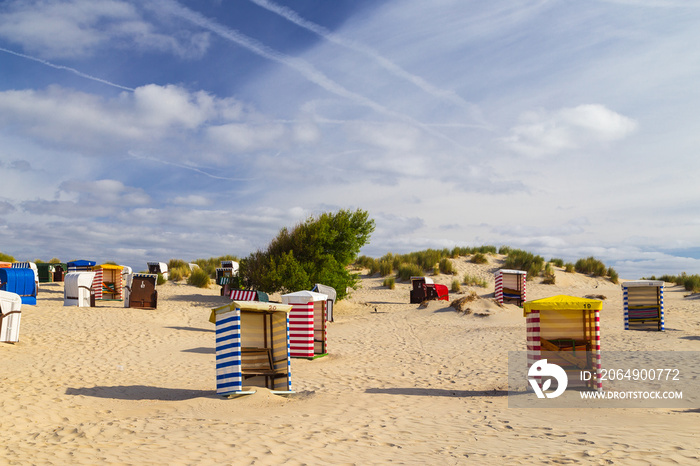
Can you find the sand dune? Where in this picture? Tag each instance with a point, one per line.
(401, 384)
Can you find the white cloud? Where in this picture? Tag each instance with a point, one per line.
(192, 200)
(542, 133)
(98, 125)
(110, 192)
(247, 137)
(77, 28)
(88, 199)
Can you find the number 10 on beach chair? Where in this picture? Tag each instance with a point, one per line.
(252, 348)
(565, 330)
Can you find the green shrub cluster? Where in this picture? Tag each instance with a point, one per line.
(557, 262)
(456, 287)
(522, 260)
(406, 271)
(479, 258)
(6, 258)
(161, 279)
(689, 282)
(210, 265)
(389, 283)
(550, 277)
(467, 251)
(199, 278)
(178, 269)
(445, 266)
(366, 262)
(318, 250)
(569, 267)
(426, 260)
(471, 280)
(385, 268)
(591, 266)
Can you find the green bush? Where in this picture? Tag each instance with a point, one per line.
(365, 262)
(549, 276)
(518, 259)
(470, 280)
(385, 268)
(569, 267)
(426, 259)
(199, 278)
(374, 267)
(175, 275)
(689, 282)
(161, 279)
(6, 258)
(389, 283)
(178, 269)
(455, 286)
(591, 266)
(467, 251)
(479, 258)
(557, 262)
(406, 271)
(318, 250)
(446, 266)
(613, 276)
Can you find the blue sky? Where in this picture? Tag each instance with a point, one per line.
(137, 131)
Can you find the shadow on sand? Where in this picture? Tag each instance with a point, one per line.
(213, 301)
(141, 392)
(194, 329)
(415, 391)
(201, 350)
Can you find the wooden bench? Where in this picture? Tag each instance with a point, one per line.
(258, 362)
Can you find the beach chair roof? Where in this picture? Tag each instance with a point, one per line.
(325, 289)
(81, 263)
(561, 303)
(162, 265)
(301, 297)
(111, 266)
(427, 280)
(513, 271)
(642, 283)
(9, 302)
(254, 306)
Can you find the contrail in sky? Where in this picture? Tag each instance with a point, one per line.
(302, 66)
(187, 167)
(67, 68)
(387, 64)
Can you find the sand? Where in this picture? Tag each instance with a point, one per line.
(402, 384)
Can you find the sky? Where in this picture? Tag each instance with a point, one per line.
(145, 131)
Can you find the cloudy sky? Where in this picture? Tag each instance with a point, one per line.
(134, 131)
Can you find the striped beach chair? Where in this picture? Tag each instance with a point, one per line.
(567, 330)
(252, 348)
(643, 302)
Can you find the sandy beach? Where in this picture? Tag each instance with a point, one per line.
(401, 384)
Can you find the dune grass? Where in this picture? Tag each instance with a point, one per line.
(472, 280)
(199, 278)
(689, 282)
